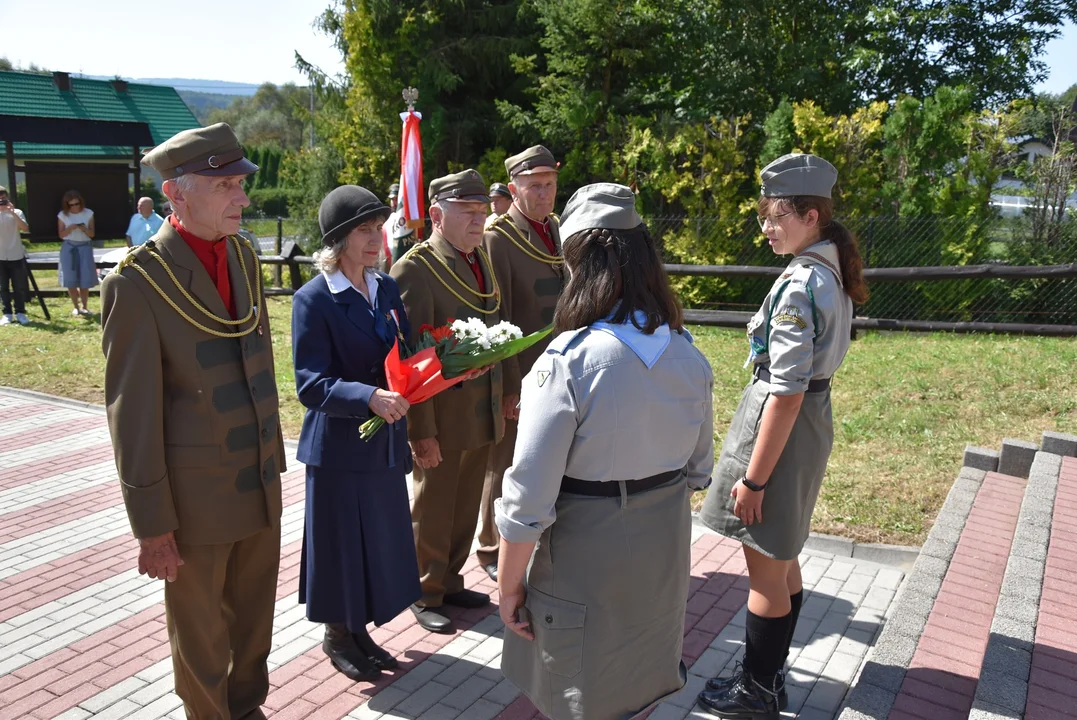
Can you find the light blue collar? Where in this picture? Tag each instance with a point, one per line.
(648, 347)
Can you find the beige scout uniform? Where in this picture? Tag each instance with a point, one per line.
(195, 426)
(437, 284)
(531, 281)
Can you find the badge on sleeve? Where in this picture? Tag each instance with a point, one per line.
(790, 315)
(541, 376)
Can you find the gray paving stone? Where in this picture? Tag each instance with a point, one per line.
(1024, 569)
(826, 696)
(710, 663)
(842, 668)
(455, 674)
(1017, 633)
(384, 701)
(1016, 608)
(1008, 657)
(504, 693)
(833, 624)
(855, 642)
(939, 548)
(885, 677)
(820, 648)
(893, 649)
(1003, 690)
(811, 713)
(805, 629)
(989, 711)
(979, 458)
(857, 584)
(909, 624)
(1059, 444)
(441, 712)
(889, 579)
(797, 695)
(467, 693)
(878, 598)
(828, 587)
(686, 698)
(423, 698)
(483, 710)
(839, 570)
(867, 619)
(816, 606)
(804, 672)
(417, 677)
(870, 701)
(1016, 457)
(929, 567)
(1025, 547)
(668, 711)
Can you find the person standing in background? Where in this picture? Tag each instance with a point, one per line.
(144, 224)
(13, 270)
(500, 201)
(78, 271)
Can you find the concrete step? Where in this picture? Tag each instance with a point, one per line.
(965, 629)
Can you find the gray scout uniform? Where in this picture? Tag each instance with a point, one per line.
(608, 583)
(797, 340)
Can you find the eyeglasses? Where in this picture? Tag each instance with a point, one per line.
(74, 203)
(773, 219)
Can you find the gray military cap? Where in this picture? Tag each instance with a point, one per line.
(500, 189)
(798, 174)
(535, 159)
(606, 206)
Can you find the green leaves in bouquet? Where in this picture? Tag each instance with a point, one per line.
(467, 354)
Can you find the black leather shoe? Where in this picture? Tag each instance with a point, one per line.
(430, 619)
(467, 599)
(346, 656)
(491, 570)
(377, 655)
(745, 699)
(724, 683)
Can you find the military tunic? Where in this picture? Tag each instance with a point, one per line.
(466, 420)
(531, 280)
(199, 452)
(801, 333)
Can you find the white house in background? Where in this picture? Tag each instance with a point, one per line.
(1007, 195)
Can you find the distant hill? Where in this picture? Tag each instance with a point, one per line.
(218, 87)
(202, 104)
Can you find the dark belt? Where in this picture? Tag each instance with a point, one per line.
(613, 489)
(814, 386)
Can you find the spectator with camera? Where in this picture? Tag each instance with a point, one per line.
(13, 270)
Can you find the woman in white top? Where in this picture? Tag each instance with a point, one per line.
(78, 273)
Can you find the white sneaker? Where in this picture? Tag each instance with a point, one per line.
(6, 320)
(23, 320)
(76, 313)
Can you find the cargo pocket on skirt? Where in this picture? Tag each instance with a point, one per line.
(746, 421)
(558, 626)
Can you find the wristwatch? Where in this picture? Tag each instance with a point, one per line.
(752, 486)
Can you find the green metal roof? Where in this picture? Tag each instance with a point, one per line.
(34, 95)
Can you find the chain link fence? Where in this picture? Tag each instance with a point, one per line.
(885, 242)
(888, 242)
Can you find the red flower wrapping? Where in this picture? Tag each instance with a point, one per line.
(417, 378)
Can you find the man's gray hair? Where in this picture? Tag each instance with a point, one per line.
(327, 259)
(184, 182)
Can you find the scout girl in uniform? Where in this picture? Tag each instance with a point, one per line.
(775, 453)
(616, 431)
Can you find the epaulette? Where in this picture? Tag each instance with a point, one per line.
(413, 249)
(250, 246)
(563, 342)
(556, 217)
(129, 258)
(802, 273)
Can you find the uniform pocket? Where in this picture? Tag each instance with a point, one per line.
(746, 421)
(558, 626)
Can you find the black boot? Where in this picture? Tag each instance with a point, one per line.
(745, 699)
(368, 647)
(721, 684)
(346, 655)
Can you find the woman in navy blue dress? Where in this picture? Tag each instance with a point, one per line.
(358, 562)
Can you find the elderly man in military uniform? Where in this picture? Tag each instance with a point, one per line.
(451, 435)
(500, 202)
(193, 412)
(524, 246)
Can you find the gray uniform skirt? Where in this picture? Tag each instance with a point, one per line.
(606, 595)
(794, 485)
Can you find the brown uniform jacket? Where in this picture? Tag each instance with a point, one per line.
(467, 416)
(193, 417)
(529, 286)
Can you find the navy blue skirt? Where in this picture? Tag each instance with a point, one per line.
(358, 562)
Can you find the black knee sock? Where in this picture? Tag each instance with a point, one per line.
(765, 646)
(795, 601)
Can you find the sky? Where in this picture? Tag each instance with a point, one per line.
(235, 40)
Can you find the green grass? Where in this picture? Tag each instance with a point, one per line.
(905, 405)
(55, 246)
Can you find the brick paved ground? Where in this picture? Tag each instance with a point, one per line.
(82, 634)
(1052, 682)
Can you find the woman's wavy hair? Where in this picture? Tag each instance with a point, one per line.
(852, 266)
(607, 266)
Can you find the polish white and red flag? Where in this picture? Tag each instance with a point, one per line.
(410, 200)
